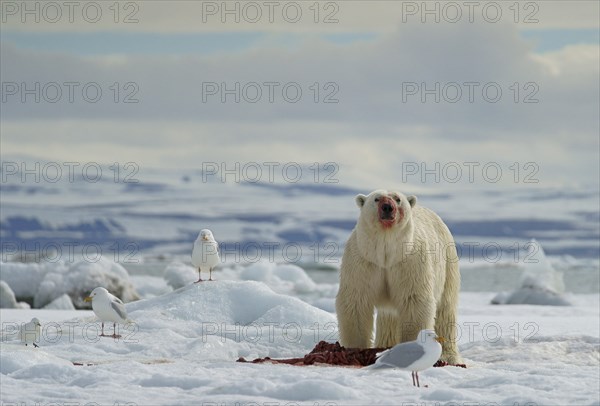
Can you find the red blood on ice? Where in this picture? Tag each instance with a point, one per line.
(335, 354)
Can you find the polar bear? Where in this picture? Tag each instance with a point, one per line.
(401, 260)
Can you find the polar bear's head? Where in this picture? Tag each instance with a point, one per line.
(386, 208)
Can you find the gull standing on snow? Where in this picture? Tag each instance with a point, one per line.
(205, 254)
(30, 332)
(108, 308)
(412, 356)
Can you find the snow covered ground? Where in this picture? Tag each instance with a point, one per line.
(186, 338)
(184, 344)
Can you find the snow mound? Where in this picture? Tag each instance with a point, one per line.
(325, 303)
(25, 278)
(42, 283)
(232, 302)
(178, 275)
(532, 295)
(541, 284)
(150, 286)
(282, 277)
(81, 278)
(222, 313)
(62, 302)
(7, 297)
(539, 272)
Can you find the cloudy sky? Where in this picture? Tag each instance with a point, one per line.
(369, 85)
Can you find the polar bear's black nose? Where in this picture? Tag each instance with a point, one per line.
(387, 208)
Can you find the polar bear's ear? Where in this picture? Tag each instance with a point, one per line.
(412, 200)
(360, 200)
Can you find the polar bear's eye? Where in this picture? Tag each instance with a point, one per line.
(376, 199)
(397, 199)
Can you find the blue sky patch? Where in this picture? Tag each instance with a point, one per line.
(99, 43)
(554, 39)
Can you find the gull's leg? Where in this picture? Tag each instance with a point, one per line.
(102, 333)
(413, 377)
(199, 276)
(210, 274)
(417, 375)
(115, 331)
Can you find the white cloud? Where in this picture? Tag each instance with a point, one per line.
(369, 132)
(380, 81)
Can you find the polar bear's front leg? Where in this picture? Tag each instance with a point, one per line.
(355, 318)
(387, 332)
(416, 313)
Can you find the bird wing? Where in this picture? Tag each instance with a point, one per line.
(119, 307)
(22, 331)
(113, 298)
(197, 254)
(28, 332)
(402, 355)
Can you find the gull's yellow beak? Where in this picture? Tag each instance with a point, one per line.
(440, 339)
(87, 299)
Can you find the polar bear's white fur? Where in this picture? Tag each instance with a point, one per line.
(401, 260)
